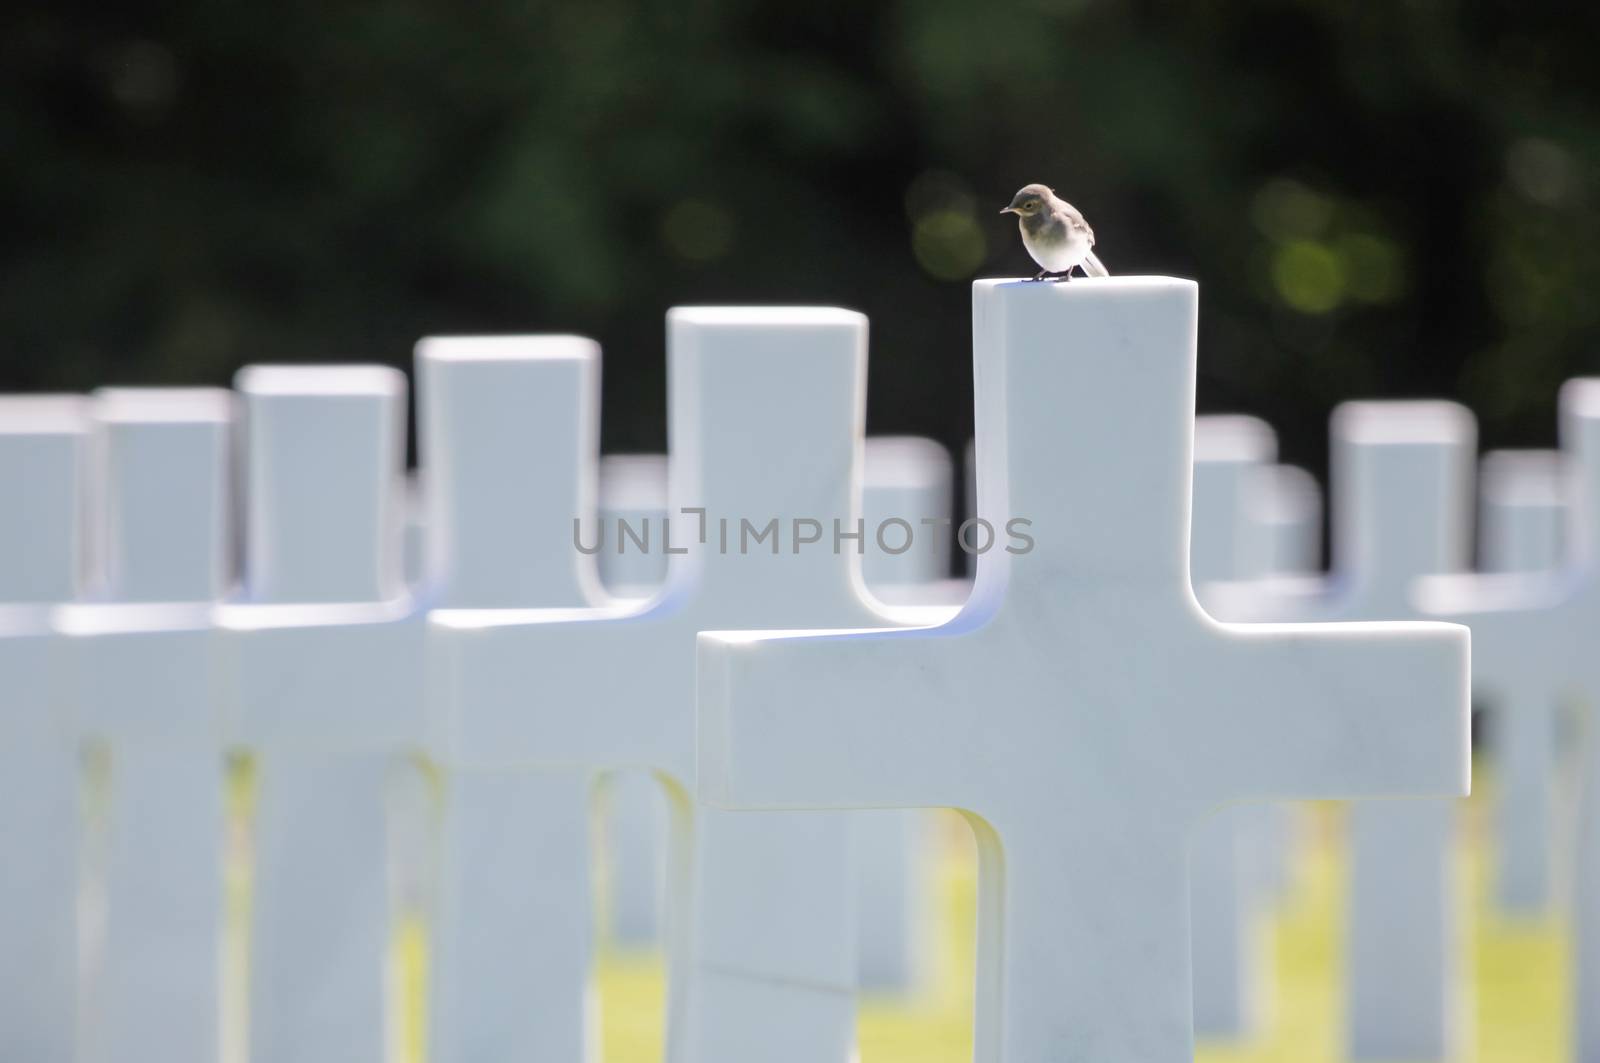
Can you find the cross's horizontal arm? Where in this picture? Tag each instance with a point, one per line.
(837, 720)
(1339, 711)
(1523, 625)
(596, 687)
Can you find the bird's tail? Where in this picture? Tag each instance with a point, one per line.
(1093, 267)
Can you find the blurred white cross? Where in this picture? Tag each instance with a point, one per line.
(1401, 489)
(137, 680)
(42, 463)
(320, 676)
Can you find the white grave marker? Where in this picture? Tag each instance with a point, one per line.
(1082, 709)
(320, 676)
(1532, 636)
(1523, 511)
(633, 489)
(1226, 902)
(765, 427)
(1285, 507)
(1401, 483)
(136, 678)
(42, 459)
(907, 484)
(508, 433)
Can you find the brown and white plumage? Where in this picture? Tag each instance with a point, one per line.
(1054, 233)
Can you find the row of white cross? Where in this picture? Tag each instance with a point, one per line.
(1079, 706)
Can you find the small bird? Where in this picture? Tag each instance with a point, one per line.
(1054, 233)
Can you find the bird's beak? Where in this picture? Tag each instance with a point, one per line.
(1009, 210)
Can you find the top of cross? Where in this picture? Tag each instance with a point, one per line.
(1523, 478)
(1133, 466)
(507, 433)
(119, 405)
(508, 348)
(1233, 437)
(324, 449)
(42, 441)
(319, 381)
(43, 415)
(1531, 627)
(161, 505)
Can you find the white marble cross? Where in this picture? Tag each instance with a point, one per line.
(42, 462)
(1401, 489)
(766, 409)
(1227, 906)
(508, 433)
(137, 681)
(319, 676)
(1532, 636)
(1081, 709)
(1523, 512)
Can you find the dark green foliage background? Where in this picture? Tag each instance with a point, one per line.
(1394, 198)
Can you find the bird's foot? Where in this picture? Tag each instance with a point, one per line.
(1041, 275)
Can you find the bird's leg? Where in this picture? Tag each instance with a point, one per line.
(1040, 275)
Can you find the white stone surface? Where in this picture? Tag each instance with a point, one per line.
(1523, 512)
(633, 488)
(1227, 906)
(636, 826)
(765, 422)
(905, 479)
(1286, 509)
(508, 433)
(1082, 709)
(1586, 901)
(1402, 505)
(413, 547)
(907, 490)
(1285, 506)
(136, 681)
(908, 506)
(319, 677)
(1532, 632)
(42, 472)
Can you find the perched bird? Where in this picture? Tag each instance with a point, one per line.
(1054, 233)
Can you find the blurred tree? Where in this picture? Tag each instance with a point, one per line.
(1383, 199)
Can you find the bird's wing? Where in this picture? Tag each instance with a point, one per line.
(1075, 219)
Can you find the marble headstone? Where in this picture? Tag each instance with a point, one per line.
(1081, 709)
